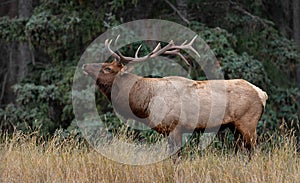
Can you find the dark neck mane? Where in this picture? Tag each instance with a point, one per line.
(123, 79)
(105, 88)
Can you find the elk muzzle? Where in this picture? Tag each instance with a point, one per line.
(92, 69)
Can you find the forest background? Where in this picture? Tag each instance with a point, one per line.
(41, 43)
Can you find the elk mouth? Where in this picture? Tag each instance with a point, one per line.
(85, 73)
(83, 70)
(90, 70)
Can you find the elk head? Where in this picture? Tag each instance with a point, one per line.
(104, 72)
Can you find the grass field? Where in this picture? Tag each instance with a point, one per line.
(27, 158)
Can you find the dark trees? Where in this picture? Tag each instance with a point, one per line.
(246, 43)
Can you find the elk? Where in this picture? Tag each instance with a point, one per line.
(174, 105)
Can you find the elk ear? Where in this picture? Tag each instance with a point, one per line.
(124, 69)
(117, 63)
(120, 64)
(128, 68)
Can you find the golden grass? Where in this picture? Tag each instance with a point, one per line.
(26, 158)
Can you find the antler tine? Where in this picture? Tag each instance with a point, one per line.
(137, 51)
(107, 46)
(192, 41)
(191, 47)
(122, 57)
(176, 52)
(188, 46)
(184, 43)
(140, 59)
(164, 49)
(137, 59)
(158, 46)
(117, 38)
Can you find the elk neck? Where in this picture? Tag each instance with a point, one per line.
(120, 82)
(105, 88)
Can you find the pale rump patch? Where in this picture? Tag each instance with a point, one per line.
(262, 95)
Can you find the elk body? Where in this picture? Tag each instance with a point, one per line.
(175, 105)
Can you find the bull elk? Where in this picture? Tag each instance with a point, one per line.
(174, 105)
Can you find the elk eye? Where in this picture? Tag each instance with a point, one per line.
(107, 69)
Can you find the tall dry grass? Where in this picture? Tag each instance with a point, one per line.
(27, 158)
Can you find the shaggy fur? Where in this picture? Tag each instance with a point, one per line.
(174, 105)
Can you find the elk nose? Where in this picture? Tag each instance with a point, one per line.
(83, 66)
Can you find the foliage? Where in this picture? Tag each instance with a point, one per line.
(12, 30)
(57, 25)
(33, 110)
(266, 44)
(248, 47)
(45, 104)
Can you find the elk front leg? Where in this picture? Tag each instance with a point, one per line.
(175, 144)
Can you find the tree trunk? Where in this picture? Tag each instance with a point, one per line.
(16, 56)
(296, 30)
(8, 58)
(280, 11)
(25, 54)
(296, 22)
(25, 8)
(12, 71)
(182, 6)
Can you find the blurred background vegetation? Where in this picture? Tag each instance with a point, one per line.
(41, 42)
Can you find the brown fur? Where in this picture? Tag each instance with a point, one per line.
(169, 105)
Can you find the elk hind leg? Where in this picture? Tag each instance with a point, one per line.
(247, 124)
(237, 137)
(248, 132)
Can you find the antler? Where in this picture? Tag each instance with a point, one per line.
(171, 48)
(107, 46)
